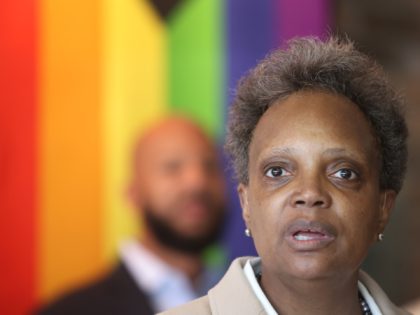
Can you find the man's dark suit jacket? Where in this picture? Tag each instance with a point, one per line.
(115, 294)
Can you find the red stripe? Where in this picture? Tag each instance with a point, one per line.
(17, 155)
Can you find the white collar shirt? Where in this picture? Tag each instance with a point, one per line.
(166, 286)
(253, 267)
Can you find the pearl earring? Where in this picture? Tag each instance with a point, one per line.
(381, 237)
(247, 232)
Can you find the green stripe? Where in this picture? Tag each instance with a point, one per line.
(196, 62)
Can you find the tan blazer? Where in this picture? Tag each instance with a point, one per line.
(413, 307)
(233, 295)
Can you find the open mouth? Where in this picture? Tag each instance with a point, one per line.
(308, 235)
(305, 235)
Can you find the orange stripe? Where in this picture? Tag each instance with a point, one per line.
(70, 140)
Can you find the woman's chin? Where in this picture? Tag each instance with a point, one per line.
(312, 268)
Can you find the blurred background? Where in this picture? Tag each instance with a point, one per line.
(80, 80)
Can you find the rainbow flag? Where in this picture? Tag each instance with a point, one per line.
(79, 81)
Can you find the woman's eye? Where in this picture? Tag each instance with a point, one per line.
(346, 173)
(276, 172)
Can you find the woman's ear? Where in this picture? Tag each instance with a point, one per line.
(243, 198)
(387, 204)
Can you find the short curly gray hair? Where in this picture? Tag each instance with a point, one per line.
(335, 66)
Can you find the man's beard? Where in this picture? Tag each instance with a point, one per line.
(169, 237)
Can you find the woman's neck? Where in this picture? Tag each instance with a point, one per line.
(293, 296)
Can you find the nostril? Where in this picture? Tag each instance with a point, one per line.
(302, 202)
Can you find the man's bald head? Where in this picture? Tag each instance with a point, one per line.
(178, 184)
(167, 133)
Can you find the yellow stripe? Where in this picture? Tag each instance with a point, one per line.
(70, 163)
(134, 96)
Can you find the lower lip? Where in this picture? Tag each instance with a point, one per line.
(312, 242)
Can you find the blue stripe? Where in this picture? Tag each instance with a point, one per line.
(250, 37)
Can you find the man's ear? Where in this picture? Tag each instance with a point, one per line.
(133, 196)
(243, 198)
(387, 204)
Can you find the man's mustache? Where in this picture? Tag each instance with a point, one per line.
(202, 197)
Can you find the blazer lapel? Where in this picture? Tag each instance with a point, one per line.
(233, 294)
(381, 299)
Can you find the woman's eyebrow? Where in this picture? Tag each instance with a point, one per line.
(336, 151)
(288, 151)
(283, 150)
(329, 151)
(344, 152)
(274, 153)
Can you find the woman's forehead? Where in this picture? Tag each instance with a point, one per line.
(313, 120)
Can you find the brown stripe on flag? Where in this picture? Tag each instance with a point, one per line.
(165, 7)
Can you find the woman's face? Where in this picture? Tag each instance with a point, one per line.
(313, 202)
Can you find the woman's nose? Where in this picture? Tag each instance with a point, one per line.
(310, 193)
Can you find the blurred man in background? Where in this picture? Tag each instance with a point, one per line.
(177, 189)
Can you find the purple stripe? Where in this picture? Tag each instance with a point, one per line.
(250, 36)
(303, 18)
(254, 28)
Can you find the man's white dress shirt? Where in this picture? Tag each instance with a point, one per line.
(166, 286)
